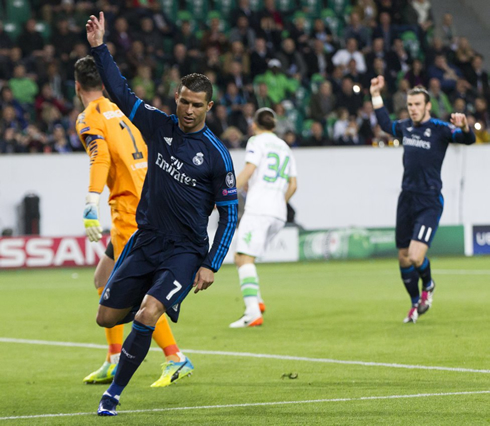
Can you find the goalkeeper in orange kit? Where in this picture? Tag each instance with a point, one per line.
(118, 159)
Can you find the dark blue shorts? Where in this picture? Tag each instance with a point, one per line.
(417, 217)
(163, 267)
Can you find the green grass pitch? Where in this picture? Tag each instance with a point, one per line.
(337, 311)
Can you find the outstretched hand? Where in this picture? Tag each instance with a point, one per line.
(95, 30)
(460, 120)
(377, 85)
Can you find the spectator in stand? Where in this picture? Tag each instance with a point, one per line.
(399, 59)
(317, 60)
(322, 103)
(459, 106)
(23, 88)
(400, 96)
(446, 74)
(291, 139)
(292, 60)
(436, 48)
(321, 32)
(244, 9)
(186, 36)
(441, 107)
(184, 63)
(270, 11)
(151, 38)
(213, 36)
(243, 33)
(377, 51)
(121, 38)
(368, 12)
(279, 85)
(169, 84)
(351, 72)
(262, 98)
(425, 18)
(385, 30)
(357, 30)
(464, 91)
(298, 32)
(349, 99)
(218, 120)
(318, 136)
(346, 132)
(283, 123)
(63, 39)
(477, 76)
(237, 53)
(7, 100)
(232, 98)
(343, 56)
(446, 31)
(481, 111)
(270, 33)
(232, 138)
(11, 128)
(59, 141)
(416, 76)
(243, 119)
(144, 79)
(136, 57)
(259, 57)
(212, 61)
(464, 55)
(30, 40)
(367, 122)
(34, 141)
(47, 97)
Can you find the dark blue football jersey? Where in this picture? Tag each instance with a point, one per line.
(188, 173)
(424, 149)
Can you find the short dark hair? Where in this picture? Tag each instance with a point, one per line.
(87, 75)
(265, 118)
(197, 83)
(419, 90)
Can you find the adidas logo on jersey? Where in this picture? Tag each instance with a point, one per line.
(168, 140)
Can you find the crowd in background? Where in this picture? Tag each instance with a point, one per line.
(309, 60)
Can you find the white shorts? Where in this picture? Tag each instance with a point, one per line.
(255, 232)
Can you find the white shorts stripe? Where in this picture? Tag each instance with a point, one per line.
(429, 232)
(422, 230)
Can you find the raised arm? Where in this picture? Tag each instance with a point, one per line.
(388, 126)
(145, 117)
(461, 131)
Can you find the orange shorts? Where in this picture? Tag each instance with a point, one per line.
(123, 226)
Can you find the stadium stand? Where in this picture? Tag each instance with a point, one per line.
(277, 53)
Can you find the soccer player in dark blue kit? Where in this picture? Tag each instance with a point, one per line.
(189, 172)
(425, 141)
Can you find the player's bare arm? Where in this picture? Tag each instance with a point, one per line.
(377, 85)
(204, 278)
(245, 175)
(95, 30)
(293, 186)
(460, 120)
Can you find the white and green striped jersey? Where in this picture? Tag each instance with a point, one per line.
(270, 180)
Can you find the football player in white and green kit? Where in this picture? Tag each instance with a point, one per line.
(270, 171)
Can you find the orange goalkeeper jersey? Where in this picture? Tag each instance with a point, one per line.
(118, 154)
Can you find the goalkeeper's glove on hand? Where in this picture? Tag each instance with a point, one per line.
(91, 217)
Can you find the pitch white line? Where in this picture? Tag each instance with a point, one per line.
(256, 404)
(252, 355)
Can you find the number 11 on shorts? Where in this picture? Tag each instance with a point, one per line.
(178, 286)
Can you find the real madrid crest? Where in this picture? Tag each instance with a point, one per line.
(198, 159)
